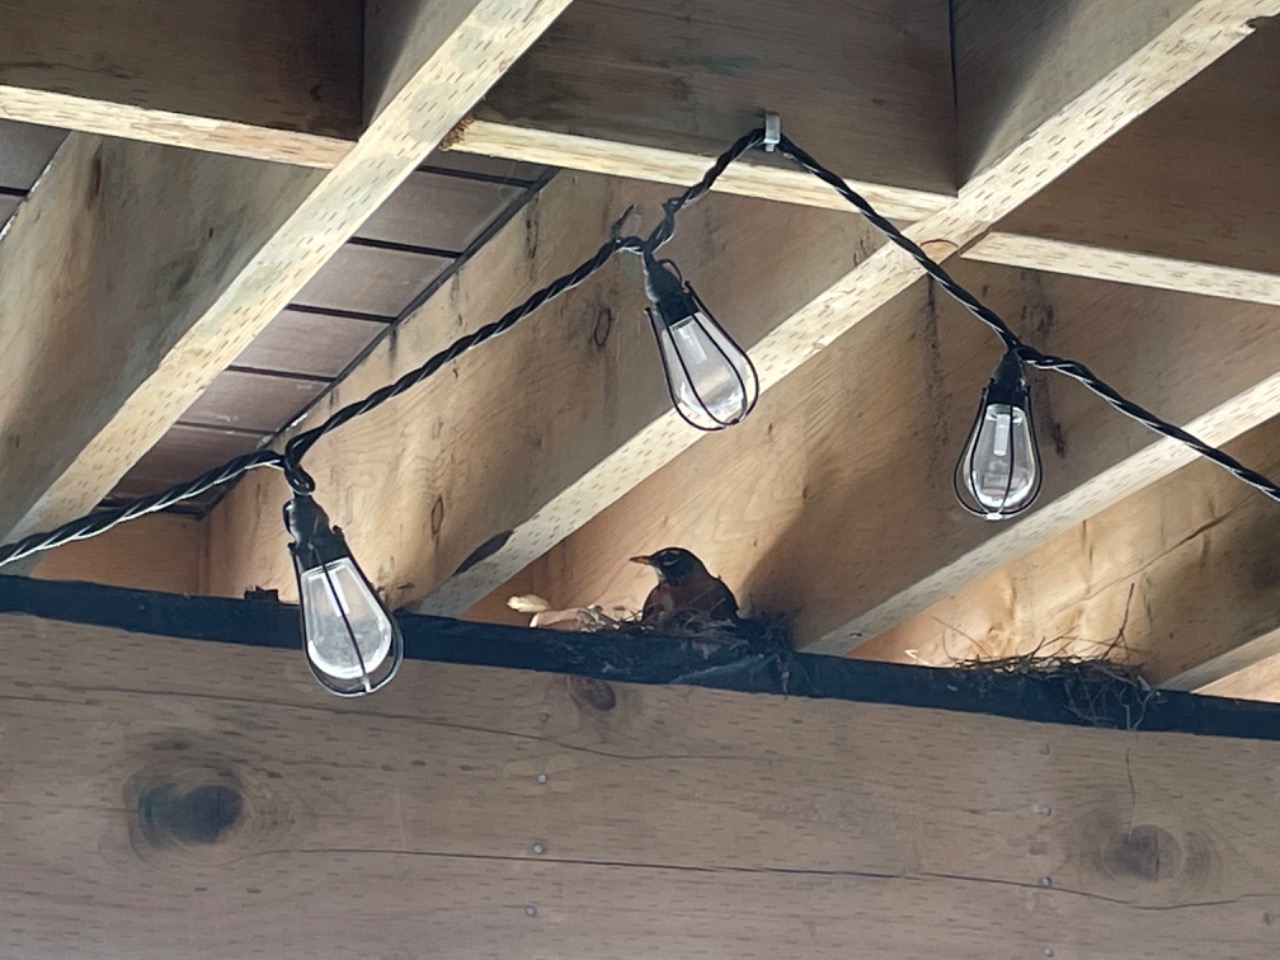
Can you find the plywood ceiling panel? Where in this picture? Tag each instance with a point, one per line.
(25, 150)
(8, 207)
(184, 452)
(440, 212)
(313, 344)
(372, 280)
(253, 401)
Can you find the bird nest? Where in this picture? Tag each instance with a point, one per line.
(765, 628)
(1106, 688)
(770, 629)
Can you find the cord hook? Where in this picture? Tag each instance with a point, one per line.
(772, 131)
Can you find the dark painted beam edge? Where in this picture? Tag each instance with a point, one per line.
(743, 667)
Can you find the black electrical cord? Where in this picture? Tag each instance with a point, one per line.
(290, 461)
(297, 447)
(100, 521)
(1028, 354)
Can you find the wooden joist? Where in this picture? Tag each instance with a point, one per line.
(571, 474)
(235, 806)
(1186, 198)
(163, 551)
(1259, 680)
(833, 504)
(524, 439)
(115, 309)
(652, 89)
(206, 250)
(268, 79)
(1185, 568)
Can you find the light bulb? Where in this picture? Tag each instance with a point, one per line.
(998, 475)
(710, 378)
(352, 643)
(337, 606)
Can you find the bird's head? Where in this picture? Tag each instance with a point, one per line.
(673, 565)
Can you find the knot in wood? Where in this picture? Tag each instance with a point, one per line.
(603, 327)
(192, 803)
(170, 814)
(1146, 852)
(592, 693)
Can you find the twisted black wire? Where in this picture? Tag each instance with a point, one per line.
(667, 227)
(296, 448)
(1072, 369)
(100, 521)
(1078, 372)
(290, 461)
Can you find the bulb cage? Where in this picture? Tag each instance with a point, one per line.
(676, 302)
(316, 544)
(1008, 387)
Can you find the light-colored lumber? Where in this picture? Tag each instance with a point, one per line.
(426, 65)
(754, 177)
(833, 504)
(162, 551)
(1186, 198)
(545, 427)
(267, 79)
(655, 89)
(1129, 80)
(231, 807)
(1019, 61)
(1132, 65)
(650, 91)
(1258, 680)
(114, 308)
(1186, 568)
(1121, 265)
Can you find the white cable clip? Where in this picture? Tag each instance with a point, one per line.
(772, 131)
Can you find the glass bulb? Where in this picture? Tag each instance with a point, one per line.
(711, 380)
(339, 607)
(1002, 469)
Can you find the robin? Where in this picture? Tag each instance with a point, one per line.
(685, 590)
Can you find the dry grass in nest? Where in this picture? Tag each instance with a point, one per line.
(1106, 689)
(766, 628)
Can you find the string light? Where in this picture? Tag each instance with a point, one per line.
(998, 474)
(712, 382)
(353, 644)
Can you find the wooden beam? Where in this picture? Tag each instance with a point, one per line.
(603, 91)
(100, 283)
(1018, 63)
(268, 79)
(183, 295)
(1257, 681)
(1185, 567)
(576, 477)
(544, 428)
(691, 804)
(653, 89)
(833, 504)
(163, 551)
(756, 177)
(1183, 199)
(1125, 68)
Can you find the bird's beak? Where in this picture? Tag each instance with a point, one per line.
(647, 561)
